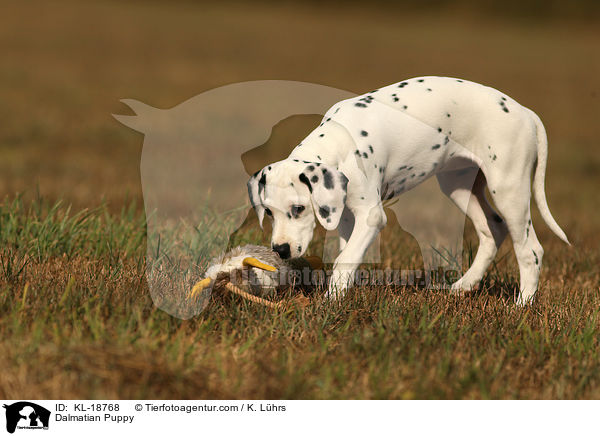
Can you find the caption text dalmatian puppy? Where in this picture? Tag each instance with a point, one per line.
(376, 146)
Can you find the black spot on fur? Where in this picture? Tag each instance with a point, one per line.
(421, 175)
(327, 179)
(402, 181)
(365, 155)
(396, 99)
(448, 115)
(375, 90)
(364, 133)
(314, 179)
(343, 182)
(537, 260)
(289, 215)
(403, 167)
(505, 109)
(261, 183)
(404, 107)
(296, 160)
(402, 84)
(305, 180)
(336, 111)
(421, 80)
(360, 105)
(328, 220)
(321, 135)
(446, 140)
(310, 168)
(371, 148)
(297, 210)
(439, 129)
(324, 211)
(319, 157)
(459, 81)
(435, 147)
(429, 89)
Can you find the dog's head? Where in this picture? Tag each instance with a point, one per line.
(291, 193)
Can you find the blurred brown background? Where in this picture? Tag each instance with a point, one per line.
(66, 64)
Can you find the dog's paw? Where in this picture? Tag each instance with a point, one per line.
(525, 299)
(462, 287)
(338, 283)
(334, 294)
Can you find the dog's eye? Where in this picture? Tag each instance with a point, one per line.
(297, 210)
(268, 211)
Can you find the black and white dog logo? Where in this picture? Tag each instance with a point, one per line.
(26, 415)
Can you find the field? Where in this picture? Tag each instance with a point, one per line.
(76, 317)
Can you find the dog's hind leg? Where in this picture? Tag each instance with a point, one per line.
(466, 188)
(513, 201)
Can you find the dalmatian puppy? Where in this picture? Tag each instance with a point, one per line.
(378, 145)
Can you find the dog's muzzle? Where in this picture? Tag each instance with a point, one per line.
(282, 249)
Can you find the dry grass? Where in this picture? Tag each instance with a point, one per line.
(76, 320)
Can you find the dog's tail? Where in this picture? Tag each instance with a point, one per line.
(539, 179)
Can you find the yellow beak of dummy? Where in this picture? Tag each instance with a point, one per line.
(247, 262)
(253, 262)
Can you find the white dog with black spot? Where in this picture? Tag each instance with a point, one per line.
(385, 142)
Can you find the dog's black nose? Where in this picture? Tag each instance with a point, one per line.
(282, 249)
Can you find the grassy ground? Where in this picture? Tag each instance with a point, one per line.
(76, 321)
(76, 317)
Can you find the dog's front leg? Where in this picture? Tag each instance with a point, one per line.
(368, 223)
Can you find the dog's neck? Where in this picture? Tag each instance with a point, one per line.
(329, 144)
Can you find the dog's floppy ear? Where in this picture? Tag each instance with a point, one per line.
(327, 186)
(256, 186)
